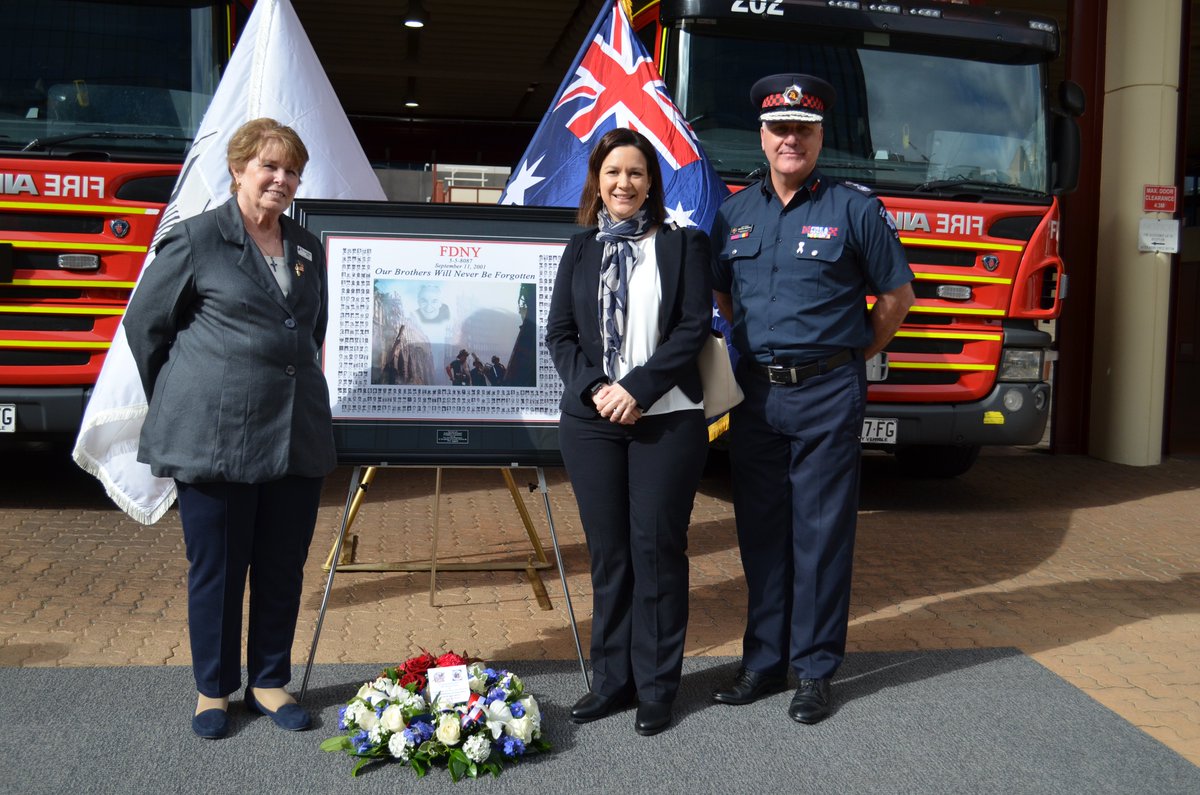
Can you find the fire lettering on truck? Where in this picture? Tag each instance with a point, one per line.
(59, 186)
(943, 223)
(18, 183)
(74, 186)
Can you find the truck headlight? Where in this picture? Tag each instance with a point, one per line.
(1021, 364)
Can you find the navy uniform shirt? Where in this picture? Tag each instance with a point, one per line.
(799, 275)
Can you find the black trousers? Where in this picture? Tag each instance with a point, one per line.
(794, 451)
(635, 486)
(230, 528)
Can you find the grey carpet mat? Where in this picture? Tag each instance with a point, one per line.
(977, 721)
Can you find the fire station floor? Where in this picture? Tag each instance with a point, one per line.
(1090, 568)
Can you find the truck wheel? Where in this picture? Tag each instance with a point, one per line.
(936, 460)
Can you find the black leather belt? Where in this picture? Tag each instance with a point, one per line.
(799, 373)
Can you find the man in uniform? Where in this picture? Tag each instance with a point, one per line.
(797, 254)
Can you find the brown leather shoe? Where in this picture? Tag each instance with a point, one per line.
(813, 701)
(749, 686)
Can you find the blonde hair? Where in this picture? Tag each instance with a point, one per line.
(253, 136)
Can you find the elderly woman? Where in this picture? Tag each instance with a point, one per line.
(226, 326)
(631, 309)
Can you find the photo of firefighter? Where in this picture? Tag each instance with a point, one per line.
(482, 334)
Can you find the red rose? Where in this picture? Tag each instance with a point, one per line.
(412, 678)
(419, 665)
(450, 658)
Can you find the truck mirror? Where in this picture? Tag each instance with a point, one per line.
(1071, 98)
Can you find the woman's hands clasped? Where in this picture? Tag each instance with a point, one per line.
(616, 405)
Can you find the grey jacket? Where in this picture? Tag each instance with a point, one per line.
(231, 367)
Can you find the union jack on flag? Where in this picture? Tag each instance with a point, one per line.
(614, 83)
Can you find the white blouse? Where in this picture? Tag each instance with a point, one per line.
(641, 325)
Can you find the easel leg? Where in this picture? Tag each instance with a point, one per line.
(437, 507)
(562, 575)
(535, 579)
(349, 518)
(353, 498)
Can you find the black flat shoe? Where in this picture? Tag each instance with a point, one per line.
(211, 724)
(749, 686)
(292, 717)
(652, 717)
(813, 701)
(594, 706)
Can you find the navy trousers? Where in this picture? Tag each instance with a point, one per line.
(795, 455)
(229, 528)
(635, 485)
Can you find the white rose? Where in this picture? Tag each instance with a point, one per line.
(398, 748)
(477, 748)
(521, 728)
(448, 729)
(392, 719)
(367, 720)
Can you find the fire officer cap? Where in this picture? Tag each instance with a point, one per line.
(792, 97)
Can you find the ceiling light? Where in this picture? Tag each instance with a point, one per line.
(416, 16)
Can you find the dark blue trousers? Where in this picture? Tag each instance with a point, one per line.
(795, 455)
(635, 485)
(230, 528)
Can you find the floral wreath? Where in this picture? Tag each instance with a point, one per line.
(392, 719)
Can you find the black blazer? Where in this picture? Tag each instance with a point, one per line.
(684, 319)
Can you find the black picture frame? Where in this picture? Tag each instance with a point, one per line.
(394, 401)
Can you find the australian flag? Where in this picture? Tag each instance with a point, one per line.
(614, 83)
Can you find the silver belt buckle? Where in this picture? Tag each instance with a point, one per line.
(781, 375)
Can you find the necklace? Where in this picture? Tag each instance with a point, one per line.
(271, 244)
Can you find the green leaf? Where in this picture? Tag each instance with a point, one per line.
(339, 743)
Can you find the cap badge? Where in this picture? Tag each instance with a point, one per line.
(792, 95)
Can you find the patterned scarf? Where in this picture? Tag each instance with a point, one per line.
(615, 265)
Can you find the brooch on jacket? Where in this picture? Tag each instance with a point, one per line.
(299, 266)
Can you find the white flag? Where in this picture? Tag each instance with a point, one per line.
(274, 72)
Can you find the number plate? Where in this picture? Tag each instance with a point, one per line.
(8, 418)
(878, 430)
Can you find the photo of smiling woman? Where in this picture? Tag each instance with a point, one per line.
(630, 312)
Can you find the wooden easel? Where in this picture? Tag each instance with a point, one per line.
(360, 482)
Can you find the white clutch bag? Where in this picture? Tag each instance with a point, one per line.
(721, 390)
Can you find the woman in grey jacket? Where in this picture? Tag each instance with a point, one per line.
(226, 327)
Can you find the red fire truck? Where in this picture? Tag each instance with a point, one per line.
(943, 112)
(98, 104)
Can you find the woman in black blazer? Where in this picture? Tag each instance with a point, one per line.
(226, 327)
(631, 309)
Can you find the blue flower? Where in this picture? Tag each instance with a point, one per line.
(496, 694)
(510, 746)
(424, 730)
(516, 709)
(342, 718)
(412, 735)
(362, 742)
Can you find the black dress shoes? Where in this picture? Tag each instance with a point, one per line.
(813, 701)
(652, 717)
(749, 686)
(594, 706)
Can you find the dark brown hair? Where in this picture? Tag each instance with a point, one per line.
(253, 136)
(590, 202)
